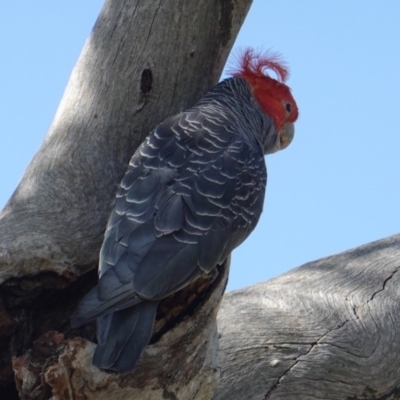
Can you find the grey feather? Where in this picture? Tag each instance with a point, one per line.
(194, 191)
(128, 334)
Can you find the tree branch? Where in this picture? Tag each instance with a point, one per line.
(143, 61)
(326, 330)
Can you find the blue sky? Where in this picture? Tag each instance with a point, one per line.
(335, 187)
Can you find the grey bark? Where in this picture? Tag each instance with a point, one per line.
(181, 364)
(144, 60)
(327, 330)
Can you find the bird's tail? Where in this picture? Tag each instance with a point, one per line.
(123, 337)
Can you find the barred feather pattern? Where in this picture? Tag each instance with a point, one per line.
(193, 192)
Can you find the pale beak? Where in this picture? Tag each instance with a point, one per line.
(286, 135)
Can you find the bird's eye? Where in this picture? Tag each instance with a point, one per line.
(288, 107)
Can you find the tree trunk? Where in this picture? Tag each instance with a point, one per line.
(327, 330)
(144, 61)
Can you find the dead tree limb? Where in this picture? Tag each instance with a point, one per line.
(143, 61)
(327, 330)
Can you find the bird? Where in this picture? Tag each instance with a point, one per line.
(193, 192)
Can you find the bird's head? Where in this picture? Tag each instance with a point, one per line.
(273, 96)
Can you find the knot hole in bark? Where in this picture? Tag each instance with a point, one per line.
(146, 85)
(146, 81)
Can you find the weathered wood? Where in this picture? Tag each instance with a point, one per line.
(181, 364)
(327, 330)
(143, 61)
